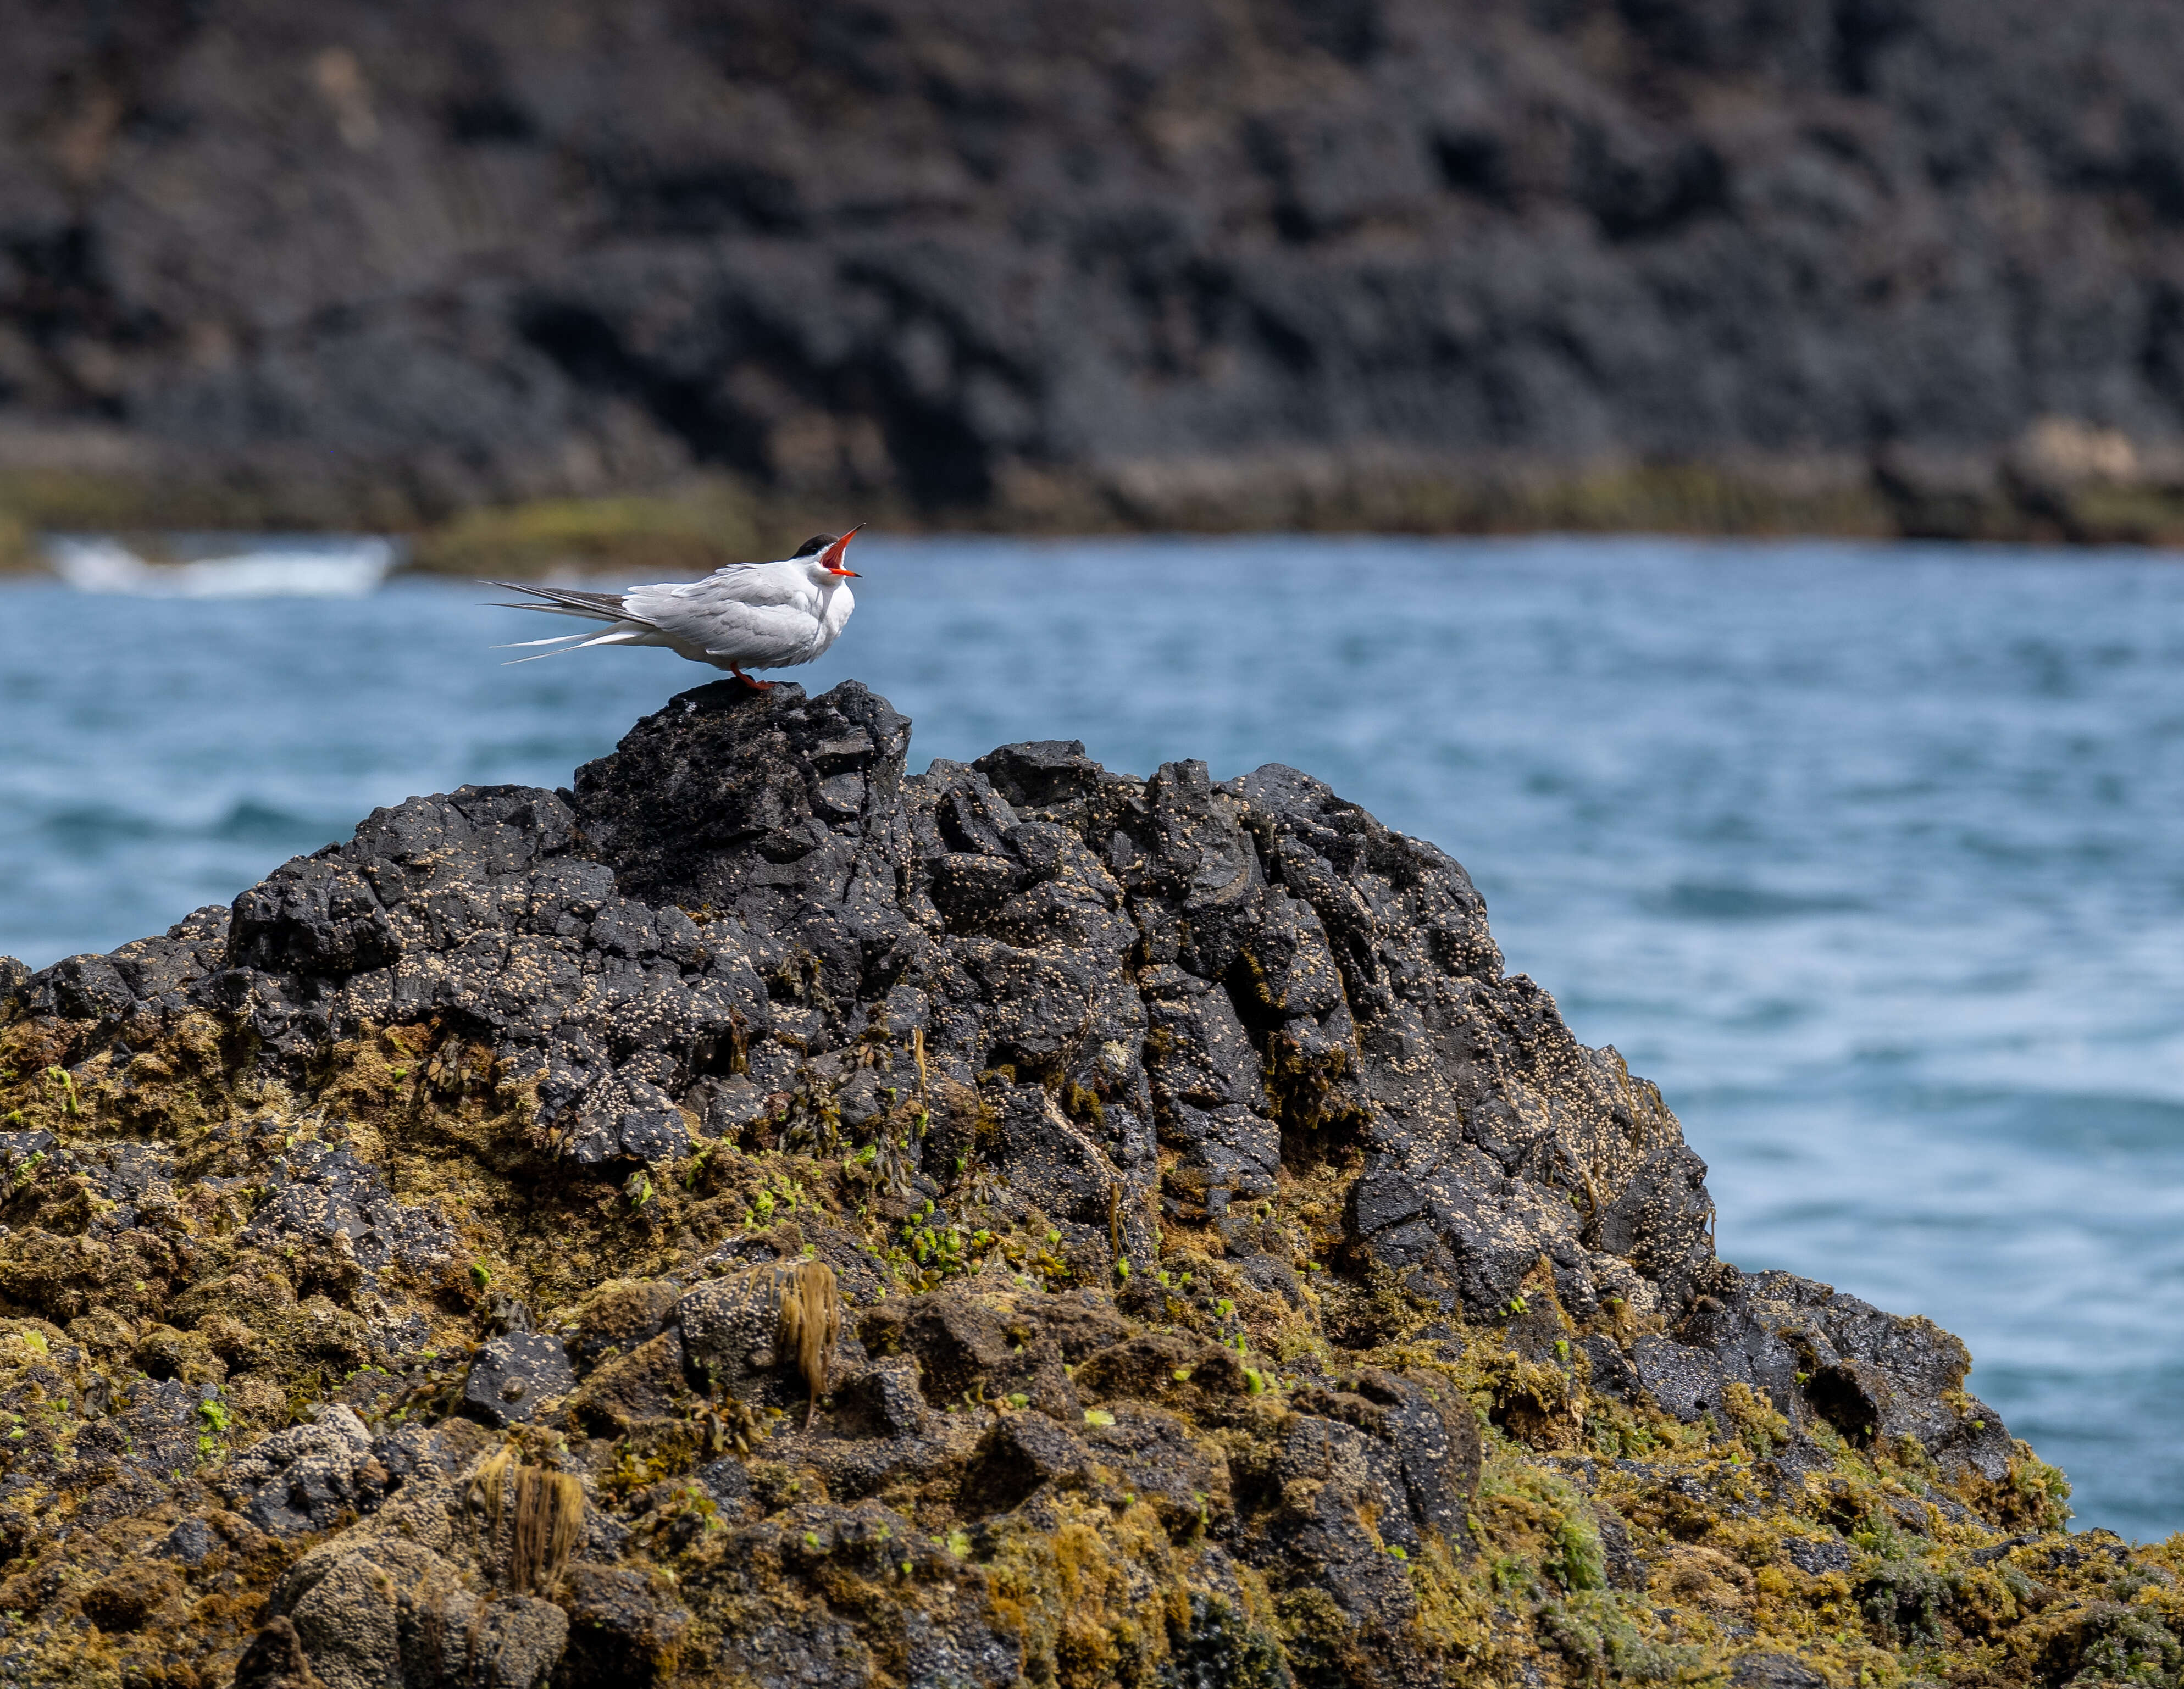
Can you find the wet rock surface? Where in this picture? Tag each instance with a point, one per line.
(761, 1216)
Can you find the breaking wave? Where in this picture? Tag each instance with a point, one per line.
(260, 567)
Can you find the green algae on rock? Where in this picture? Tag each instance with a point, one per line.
(760, 1217)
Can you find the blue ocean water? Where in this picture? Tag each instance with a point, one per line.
(1867, 854)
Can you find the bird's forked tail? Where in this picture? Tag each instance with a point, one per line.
(569, 601)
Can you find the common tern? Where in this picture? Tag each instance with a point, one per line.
(747, 616)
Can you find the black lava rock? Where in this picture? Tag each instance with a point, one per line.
(1099, 967)
(1774, 1671)
(512, 1377)
(189, 1541)
(1071, 1141)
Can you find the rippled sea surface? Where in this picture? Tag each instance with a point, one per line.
(1870, 855)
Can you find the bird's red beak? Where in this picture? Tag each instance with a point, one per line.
(832, 557)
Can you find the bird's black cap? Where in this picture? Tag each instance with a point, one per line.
(815, 545)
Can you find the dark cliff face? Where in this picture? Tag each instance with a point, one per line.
(762, 1216)
(1893, 260)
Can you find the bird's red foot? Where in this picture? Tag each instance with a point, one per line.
(755, 685)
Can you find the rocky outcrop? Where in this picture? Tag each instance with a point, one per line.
(1905, 265)
(761, 1216)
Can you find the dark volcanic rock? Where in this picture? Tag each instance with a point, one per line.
(752, 879)
(1911, 263)
(1774, 1671)
(762, 1216)
(304, 1479)
(276, 1660)
(621, 1628)
(512, 1378)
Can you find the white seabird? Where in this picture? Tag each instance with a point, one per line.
(747, 616)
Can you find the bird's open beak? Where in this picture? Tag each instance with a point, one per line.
(832, 557)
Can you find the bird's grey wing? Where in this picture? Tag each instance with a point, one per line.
(748, 634)
(739, 583)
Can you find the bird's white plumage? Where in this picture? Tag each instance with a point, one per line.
(748, 615)
(759, 615)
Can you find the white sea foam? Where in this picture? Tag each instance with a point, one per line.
(345, 566)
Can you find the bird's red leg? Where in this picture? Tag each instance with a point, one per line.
(755, 685)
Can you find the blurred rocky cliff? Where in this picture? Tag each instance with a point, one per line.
(1879, 265)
